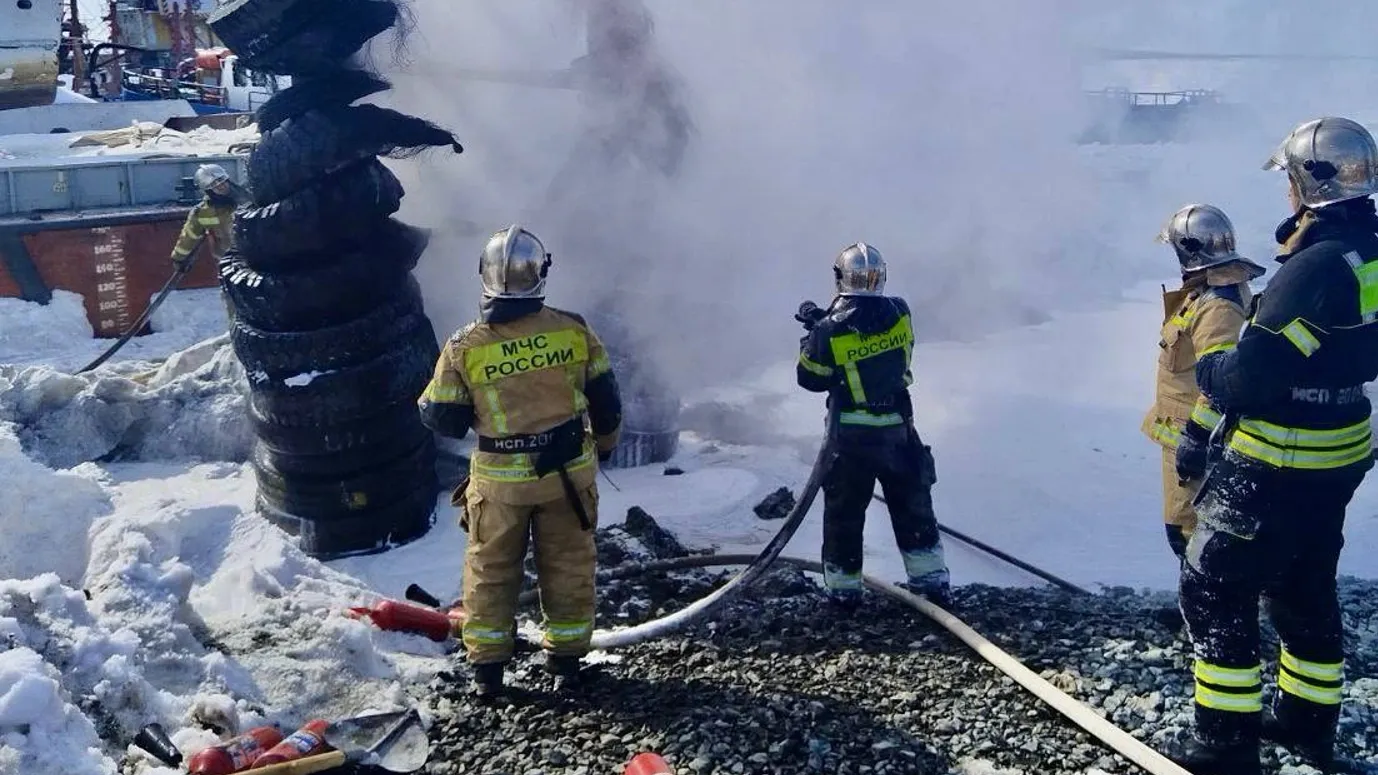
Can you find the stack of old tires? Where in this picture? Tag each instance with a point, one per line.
(329, 323)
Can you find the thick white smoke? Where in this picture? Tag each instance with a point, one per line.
(943, 133)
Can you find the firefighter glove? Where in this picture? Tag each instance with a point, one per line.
(809, 314)
(1191, 458)
(182, 263)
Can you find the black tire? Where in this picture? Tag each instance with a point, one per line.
(639, 448)
(406, 435)
(339, 209)
(300, 37)
(388, 429)
(288, 158)
(339, 287)
(359, 533)
(312, 93)
(387, 481)
(347, 394)
(279, 354)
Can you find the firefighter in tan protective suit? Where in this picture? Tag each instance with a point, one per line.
(535, 384)
(212, 219)
(1204, 316)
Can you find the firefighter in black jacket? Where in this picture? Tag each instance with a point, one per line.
(858, 351)
(1296, 445)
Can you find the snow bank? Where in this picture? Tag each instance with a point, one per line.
(32, 330)
(192, 406)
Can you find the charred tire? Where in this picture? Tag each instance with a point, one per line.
(338, 209)
(347, 394)
(406, 434)
(319, 142)
(324, 497)
(349, 534)
(299, 37)
(336, 290)
(278, 354)
(386, 429)
(313, 93)
(638, 448)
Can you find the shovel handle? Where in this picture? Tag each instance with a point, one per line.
(304, 766)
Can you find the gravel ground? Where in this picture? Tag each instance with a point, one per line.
(780, 682)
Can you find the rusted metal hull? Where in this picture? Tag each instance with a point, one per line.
(115, 261)
(29, 33)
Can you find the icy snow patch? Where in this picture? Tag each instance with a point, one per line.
(302, 380)
(192, 406)
(29, 330)
(44, 515)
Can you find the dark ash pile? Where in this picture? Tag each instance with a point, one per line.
(780, 683)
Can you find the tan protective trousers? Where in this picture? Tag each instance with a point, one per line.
(565, 564)
(1177, 508)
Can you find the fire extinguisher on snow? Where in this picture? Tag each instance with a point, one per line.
(404, 617)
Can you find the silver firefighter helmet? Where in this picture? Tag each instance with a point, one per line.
(513, 265)
(859, 270)
(1329, 159)
(212, 177)
(1203, 237)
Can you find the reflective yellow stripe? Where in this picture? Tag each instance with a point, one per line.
(1321, 695)
(1164, 432)
(814, 367)
(567, 632)
(1183, 319)
(868, 419)
(489, 363)
(599, 366)
(1319, 671)
(1241, 677)
(521, 469)
(1298, 334)
(1301, 447)
(1305, 437)
(854, 383)
(1262, 451)
(442, 394)
(922, 563)
(1251, 702)
(209, 220)
(1367, 275)
(1204, 415)
(1215, 348)
(835, 579)
(481, 634)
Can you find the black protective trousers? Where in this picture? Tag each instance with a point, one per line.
(1274, 533)
(898, 459)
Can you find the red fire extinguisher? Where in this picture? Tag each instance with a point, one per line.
(235, 754)
(307, 741)
(648, 764)
(404, 617)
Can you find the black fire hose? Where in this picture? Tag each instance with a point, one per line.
(139, 324)
(1009, 558)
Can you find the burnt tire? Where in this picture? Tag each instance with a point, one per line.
(384, 432)
(315, 92)
(338, 287)
(339, 209)
(319, 142)
(640, 448)
(348, 534)
(299, 37)
(406, 434)
(319, 399)
(278, 354)
(317, 497)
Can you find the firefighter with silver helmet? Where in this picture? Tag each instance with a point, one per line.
(859, 351)
(536, 386)
(212, 218)
(1203, 316)
(1296, 443)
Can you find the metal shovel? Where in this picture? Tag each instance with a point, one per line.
(390, 741)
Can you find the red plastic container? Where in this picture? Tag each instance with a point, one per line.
(405, 617)
(648, 764)
(307, 741)
(236, 754)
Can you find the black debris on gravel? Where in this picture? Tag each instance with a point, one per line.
(776, 505)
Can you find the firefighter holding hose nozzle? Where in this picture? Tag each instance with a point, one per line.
(858, 351)
(1271, 514)
(211, 220)
(536, 386)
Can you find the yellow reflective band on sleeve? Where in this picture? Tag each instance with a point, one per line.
(852, 347)
(1202, 414)
(209, 220)
(489, 363)
(1302, 338)
(814, 367)
(860, 417)
(1233, 677)
(1215, 348)
(599, 366)
(1183, 319)
(442, 393)
(1367, 275)
(1166, 434)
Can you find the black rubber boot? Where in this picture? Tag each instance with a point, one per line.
(1201, 759)
(487, 683)
(1315, 751)
(568, 672)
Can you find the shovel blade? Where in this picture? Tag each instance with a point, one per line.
(406, 750)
